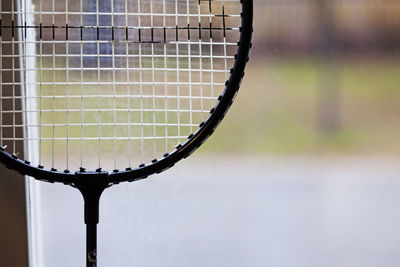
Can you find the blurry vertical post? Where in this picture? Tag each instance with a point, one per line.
(27, 60)
(329, 120)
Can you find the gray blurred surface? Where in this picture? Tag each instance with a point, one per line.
(238, 213)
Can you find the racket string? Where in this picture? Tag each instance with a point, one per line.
(146, 71)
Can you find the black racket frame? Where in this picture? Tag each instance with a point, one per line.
(182, 151)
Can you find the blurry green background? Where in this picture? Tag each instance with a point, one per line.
(324, 77)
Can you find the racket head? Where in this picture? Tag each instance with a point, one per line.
(181, 151)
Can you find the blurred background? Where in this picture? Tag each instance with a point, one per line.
(304, 170)
(324, 78)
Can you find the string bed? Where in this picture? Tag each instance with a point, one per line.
(111, 83)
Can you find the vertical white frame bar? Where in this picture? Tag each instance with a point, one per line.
(31, 146)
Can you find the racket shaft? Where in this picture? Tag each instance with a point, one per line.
(91, 245)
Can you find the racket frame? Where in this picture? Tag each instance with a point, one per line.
(182, 151)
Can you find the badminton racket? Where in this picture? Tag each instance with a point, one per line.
(98, 92)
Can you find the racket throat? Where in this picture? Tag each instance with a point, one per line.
(91, 193)
(91, 190)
